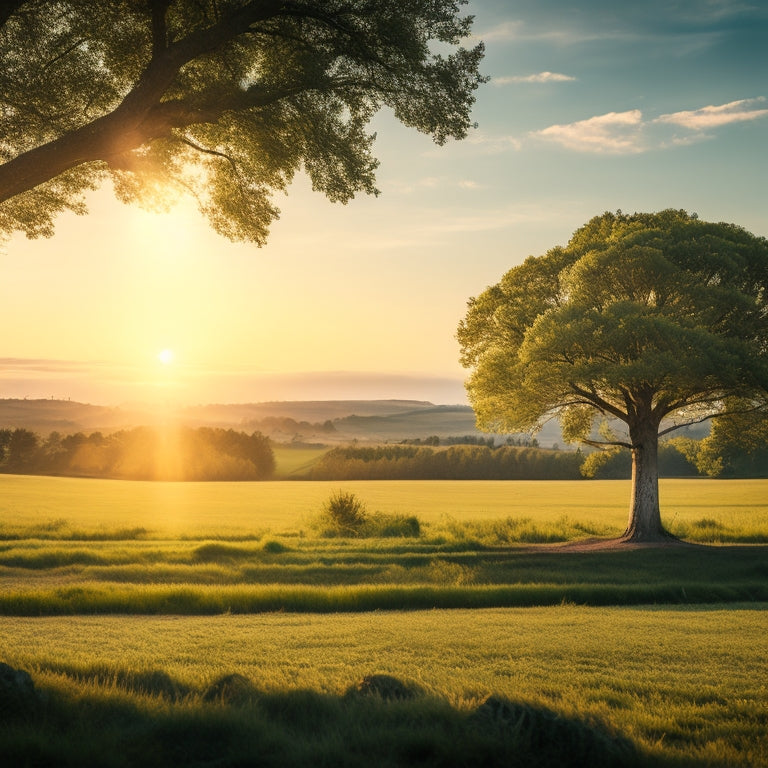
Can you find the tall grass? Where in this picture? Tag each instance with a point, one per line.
(685, 686)
(209, 600)
(312, 576)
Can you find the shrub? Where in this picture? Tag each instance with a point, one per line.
(344, 514)
(275, 547)
(392, 526)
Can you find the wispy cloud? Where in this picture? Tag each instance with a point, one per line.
(630, 133)
(14, 365)
(431, 182)
(614, 132)
(42, 382)
(502, 217)
(539, 77)
(504, 31)
(478, 142)
(716, 116)
(685, 28)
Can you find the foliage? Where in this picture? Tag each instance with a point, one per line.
(344, 514)
(640, 318)
(737, 446)
(226, 100)
(458, 462)
(616, 463)
(142, 453)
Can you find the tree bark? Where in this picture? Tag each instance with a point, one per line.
(644, 513)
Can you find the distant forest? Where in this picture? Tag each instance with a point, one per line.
(142, 453)
(480, 462)
(205, 453)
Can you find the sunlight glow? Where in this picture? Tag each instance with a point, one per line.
(165, 356)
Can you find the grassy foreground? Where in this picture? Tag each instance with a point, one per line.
(207, 625)
(583, 686)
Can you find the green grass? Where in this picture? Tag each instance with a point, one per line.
(51, 506)
(127, 601)
(138, 560)
(57, 578)
(295, 462)
(685, 686)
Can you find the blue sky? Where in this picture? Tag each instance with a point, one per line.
(591, 107)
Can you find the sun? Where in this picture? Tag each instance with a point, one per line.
(165, 356)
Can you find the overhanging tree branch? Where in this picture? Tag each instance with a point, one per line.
(306, 75)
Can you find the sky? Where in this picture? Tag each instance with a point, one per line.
(591, 106)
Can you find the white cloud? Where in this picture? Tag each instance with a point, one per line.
(612, 133)
(628, 133)
(545, 32)
(506, 30)
(491, 145)
(715, 116)
(540, 77)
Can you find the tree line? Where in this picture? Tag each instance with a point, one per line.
(142, 453)
(681, 457)
(185, 453)
(458, 462)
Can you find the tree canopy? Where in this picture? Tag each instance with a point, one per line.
(656, 320)
(226, 99)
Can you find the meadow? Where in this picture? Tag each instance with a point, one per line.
(698, 509)
(210, 624)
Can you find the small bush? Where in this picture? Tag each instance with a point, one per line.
(275, 547)
(216, 552)
(344, 514)
(392, 526)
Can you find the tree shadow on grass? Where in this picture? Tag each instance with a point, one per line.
(151, 720)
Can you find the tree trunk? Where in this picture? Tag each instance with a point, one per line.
(644, 515)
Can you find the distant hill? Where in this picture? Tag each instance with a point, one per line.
(301, 410)
(65, 416)
(326, 421)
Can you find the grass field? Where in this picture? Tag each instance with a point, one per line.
(292, 462)
(684, 686)
(127, 602)
(738, 508)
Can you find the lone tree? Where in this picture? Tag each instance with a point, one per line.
(224, 98)
(655, 320)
